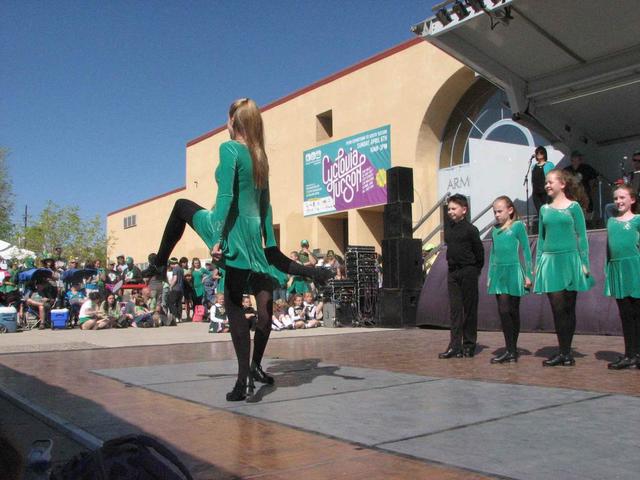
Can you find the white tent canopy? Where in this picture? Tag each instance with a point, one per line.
(568, 67)
(8, 251)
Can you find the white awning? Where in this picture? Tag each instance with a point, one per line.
(570, 67)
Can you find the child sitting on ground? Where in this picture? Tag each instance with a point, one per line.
(249, 311)
(90, 317)
(311, 319)
(280, 320)
(219, 322)
(296, 310)
(75, 298)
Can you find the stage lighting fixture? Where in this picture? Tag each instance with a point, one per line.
(460, 10)
(443, 17)
(477, 5)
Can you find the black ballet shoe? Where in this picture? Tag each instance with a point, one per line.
(622, 363)
(638, 360)
(238, 393)
(450, 353)
(251, 387)
(322, 275)
(469, 352)
(559, 360)
(256, 373)
(506, 357)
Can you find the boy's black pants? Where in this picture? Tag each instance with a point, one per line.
(463, 307)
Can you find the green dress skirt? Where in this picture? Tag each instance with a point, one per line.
(506, 275)
(242, 218)
(563, 251)
(623, 264)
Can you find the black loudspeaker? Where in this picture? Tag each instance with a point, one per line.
(402, 263)
(400, 185)
(397, 220)
(397, 307)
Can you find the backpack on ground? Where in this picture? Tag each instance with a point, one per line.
(131, 457)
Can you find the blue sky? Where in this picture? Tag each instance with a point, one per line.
(98, 98)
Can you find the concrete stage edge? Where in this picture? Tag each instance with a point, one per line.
(596, 314)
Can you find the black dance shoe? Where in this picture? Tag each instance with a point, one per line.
(322, 275)
(506, 357)
(256, 373)
(559, 360)
(238, 393)
(450, 353)
(469, 352)
(622, 363)
(638, 360)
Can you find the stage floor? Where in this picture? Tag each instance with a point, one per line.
(487, 427)
(361, 404)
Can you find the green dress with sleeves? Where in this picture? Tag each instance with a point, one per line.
(506, 273)
(562, 251)
(623, 258)
(242, 215)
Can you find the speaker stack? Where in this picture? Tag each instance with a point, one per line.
(361, 268)
(339, 303)
(401, 254)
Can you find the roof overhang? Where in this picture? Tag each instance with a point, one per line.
(568, 67)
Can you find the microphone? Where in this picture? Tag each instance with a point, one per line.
(532, 156)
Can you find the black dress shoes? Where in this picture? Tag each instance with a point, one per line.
(622, 363)
(559, 360)
(260, 375)
(450, 353)
(506, 357)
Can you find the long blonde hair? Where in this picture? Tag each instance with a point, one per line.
(245, 119)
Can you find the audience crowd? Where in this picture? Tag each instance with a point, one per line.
(119, 295)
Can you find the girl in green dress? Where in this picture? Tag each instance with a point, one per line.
(623, 272)
(562, 260)
(239, 232)
(507, 278)
(197, 273)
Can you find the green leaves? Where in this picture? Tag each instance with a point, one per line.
(63, 227)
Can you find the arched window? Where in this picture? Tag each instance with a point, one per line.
(483, 112)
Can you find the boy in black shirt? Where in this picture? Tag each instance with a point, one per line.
(465, 256)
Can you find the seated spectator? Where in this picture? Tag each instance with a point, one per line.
(74, 298)
(111, 310)
(131, 273)
(90, 316)
(160, 317)
(219, 322)
(149, 299)
(296, 311)
(41, 300)
(280, 320)
(311, 312)
(143, 317)
(249, 311)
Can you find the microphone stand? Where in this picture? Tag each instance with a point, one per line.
(526, 187)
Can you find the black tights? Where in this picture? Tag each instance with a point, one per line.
(563, 307)
(629, 308)
(509, 311)
(182, 214)
(235, 284)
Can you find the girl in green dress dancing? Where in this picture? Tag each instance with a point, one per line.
(562, 260)
(623, 272)
(507, 278)
(234, 231)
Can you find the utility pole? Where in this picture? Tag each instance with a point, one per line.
(24, 235)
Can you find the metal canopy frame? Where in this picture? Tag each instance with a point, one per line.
(579, 89)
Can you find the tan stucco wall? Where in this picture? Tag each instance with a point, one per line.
(413, 90)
